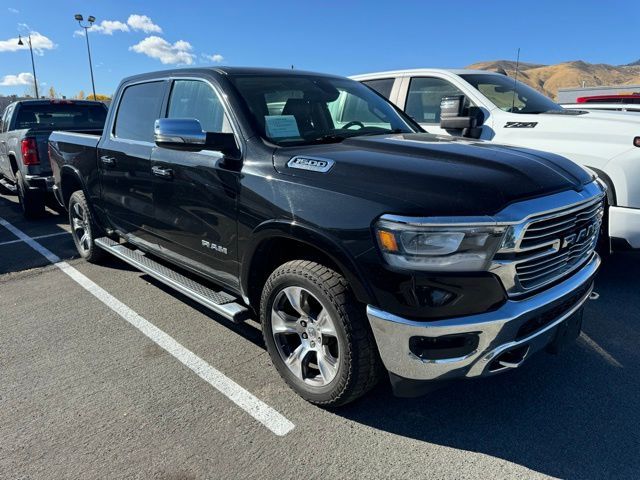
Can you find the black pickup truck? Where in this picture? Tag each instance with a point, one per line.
(24, 131)
(362, 244)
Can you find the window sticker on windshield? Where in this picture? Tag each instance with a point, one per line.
(281, 126)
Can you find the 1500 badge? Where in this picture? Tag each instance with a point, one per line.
(322, 165)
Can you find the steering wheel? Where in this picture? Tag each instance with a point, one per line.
(353, 123)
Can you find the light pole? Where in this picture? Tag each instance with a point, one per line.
(33, 65)
(90, 19)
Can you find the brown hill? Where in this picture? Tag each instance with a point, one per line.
(548, 78)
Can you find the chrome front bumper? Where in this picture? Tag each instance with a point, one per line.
(497, 332)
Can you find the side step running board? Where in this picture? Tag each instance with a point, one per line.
(220, 302)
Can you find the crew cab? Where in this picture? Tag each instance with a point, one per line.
(362, 244)
(497, 108)
(24, 131)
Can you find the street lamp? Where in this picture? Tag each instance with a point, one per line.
(90, 19)
(33, 65)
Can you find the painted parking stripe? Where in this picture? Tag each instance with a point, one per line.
(255, 407)
(35, 238)
(599, 350)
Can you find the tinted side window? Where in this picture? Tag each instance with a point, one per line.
(381, 85)
(195, 99)
(138, 110)
(425, 95)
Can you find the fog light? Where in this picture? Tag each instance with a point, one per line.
(434, 297)
(446, 346)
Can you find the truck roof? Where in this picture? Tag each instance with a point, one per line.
(227, 71)
(422, 71)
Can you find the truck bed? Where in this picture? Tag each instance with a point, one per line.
(74, 151)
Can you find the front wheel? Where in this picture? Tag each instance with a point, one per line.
(84, 229)
(317, 334)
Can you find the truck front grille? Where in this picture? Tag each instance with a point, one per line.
(553, 245)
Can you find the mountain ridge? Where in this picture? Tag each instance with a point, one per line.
(576, 73)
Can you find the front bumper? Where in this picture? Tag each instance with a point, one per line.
(501, 344)
(624, 223)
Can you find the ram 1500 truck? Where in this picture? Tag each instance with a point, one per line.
(497, 108)
(24, 131)
(361, 244)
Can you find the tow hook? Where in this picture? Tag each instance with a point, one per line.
(594, 296)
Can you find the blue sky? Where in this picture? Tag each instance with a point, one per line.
(343, 37)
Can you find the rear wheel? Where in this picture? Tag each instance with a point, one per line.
(317, 334)
(31, 199)
(84, 229)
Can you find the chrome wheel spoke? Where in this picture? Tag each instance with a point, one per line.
(294, 296)
(77, 210)
(325, 324)
(77, 224)
(282, 323)
(327, 365)
(84, 241)
(296, 359)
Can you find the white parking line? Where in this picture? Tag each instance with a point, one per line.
(255, 407)
(601, 351)
(35, 238)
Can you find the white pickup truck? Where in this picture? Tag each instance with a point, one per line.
(491, 106)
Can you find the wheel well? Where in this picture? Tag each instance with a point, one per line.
(14, 164)
(273, 252)
(611, 191)
(69, 183)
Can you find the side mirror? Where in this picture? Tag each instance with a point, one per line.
(186, 134)
(179, 133)
(452, 114)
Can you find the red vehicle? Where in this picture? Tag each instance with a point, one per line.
(617, 98)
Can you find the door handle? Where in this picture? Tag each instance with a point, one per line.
(162, 172)
(108, 161)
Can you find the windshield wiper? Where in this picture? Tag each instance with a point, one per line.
(329, 138)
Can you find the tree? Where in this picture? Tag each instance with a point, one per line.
(52, 92)
(99, 97)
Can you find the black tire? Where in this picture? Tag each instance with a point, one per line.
(359, 366)
(604, 247)
(31, 199)
(82, 223)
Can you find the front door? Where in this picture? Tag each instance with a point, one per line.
(195, 196)
(124, 160)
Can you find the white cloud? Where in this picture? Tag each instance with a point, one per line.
(159, 48)
(143, 23)
(105, 27)
(16, 80)
(215, 58)
(39, 42)
(13, 10)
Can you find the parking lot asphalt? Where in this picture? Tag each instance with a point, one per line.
(84, 394)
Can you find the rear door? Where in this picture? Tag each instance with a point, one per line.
(124, 159)
(195, 195)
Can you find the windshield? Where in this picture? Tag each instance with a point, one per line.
(499, 89)
(61, 116)
(303, 109)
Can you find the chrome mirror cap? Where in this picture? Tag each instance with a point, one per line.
(179, 131)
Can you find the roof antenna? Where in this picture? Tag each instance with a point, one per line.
(515, 79)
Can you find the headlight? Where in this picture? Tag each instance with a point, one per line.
(438, 248)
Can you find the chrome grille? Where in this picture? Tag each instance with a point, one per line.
(553, 245)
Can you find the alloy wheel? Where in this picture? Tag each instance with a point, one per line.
(305, 336)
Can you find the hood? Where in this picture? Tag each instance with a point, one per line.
(424, 174)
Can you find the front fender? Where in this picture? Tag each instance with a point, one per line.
(330, 246)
